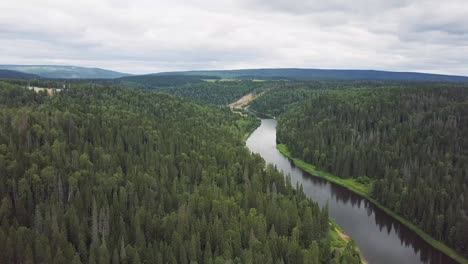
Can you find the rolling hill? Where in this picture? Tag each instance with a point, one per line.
(169, 79)
(159, 80)
(65, 72)
(9, 74)
(325, 74)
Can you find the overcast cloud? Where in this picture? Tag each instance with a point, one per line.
(143, 36)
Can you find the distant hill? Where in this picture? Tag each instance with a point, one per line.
(65, 72)
(160, 80)
(166, 79)
(308, 74)
(9, 74)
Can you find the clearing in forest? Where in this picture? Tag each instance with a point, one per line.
(244, 101)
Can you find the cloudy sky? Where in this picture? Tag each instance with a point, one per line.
(143, 36)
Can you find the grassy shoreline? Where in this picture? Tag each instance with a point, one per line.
(339, 240)
(249, 132)
(364, 191)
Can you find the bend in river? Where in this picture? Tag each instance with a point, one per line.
(381, 238)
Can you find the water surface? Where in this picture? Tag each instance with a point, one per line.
(380, 237)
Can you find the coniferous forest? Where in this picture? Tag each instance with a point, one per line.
(409, 144)
(229, 132)
(105, 173)
(101, 174)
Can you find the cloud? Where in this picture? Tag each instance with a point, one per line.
(145, 36)
(369, 7)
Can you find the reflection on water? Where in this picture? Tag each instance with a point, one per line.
(381, 238)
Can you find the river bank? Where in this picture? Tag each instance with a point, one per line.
(364, 191)
(338, 239)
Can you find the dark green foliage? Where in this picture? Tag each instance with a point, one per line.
(412, 141)
(12, 96)
(325, 74)
(216, 93)
(108, 175)
(350, 254)
(152, 81)
(287, 93)
(45, 83)
(201, 89)
(277, 101)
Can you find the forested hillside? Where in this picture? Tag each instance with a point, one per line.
(201, 89)
(411, 142)
(325, 74)
(219, 92)
(107, 175)
(153, 81)
(287, 93)
(64, 72)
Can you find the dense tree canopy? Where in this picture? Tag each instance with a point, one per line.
(216, 93)
(107, 175)
(411, 141)
(284, 94)
(152, 81)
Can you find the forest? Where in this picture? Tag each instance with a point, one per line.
(158, 81)
(219, 93)
(408, 142)
(103, 174)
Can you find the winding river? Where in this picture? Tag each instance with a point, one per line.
(381, 238)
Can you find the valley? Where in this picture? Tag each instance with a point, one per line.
(324, 214)
(232, 132)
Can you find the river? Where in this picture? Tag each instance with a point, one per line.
(380, 237)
